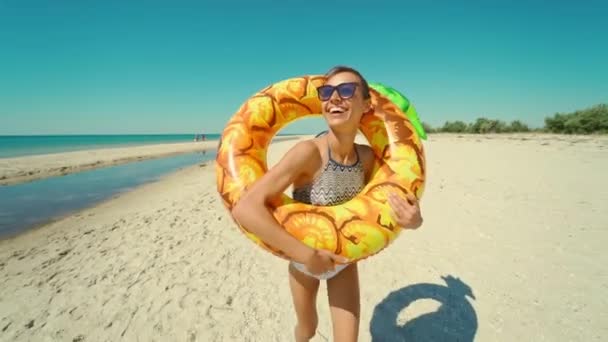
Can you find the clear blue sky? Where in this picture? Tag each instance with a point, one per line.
(185, 66)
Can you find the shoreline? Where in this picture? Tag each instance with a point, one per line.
(26, 169)
(52, 220)
(79, 211)
(19, 170)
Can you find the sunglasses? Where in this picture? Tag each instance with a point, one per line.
(345, 90)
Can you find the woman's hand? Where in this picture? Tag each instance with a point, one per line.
(321, 261)
(405, 212)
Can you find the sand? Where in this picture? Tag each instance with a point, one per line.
(512, 249)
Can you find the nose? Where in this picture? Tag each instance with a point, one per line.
(335, 97)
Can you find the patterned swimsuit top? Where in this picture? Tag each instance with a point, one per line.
(336, 184)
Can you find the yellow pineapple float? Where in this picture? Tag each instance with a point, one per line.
(356, 229)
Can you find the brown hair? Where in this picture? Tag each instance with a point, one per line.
(341, 68)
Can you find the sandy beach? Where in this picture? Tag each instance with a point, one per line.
(24, 169)
(29, 168)
(512, 249)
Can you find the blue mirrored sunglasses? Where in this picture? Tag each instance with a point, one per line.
(345, 90)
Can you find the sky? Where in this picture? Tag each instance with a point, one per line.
(149, 67)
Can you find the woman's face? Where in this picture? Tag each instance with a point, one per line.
(345, 106)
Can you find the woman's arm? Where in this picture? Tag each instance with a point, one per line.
(252, 211)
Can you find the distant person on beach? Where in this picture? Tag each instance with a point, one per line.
(326, 170)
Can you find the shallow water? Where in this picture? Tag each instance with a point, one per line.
(16, 146)
(26, 205)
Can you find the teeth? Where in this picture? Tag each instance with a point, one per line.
(336, 110)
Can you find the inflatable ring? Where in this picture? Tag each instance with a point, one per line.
(356, 229)
(403, 103)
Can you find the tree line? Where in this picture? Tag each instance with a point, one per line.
(593, 120)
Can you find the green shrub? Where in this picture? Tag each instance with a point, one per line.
(586, 121)
(454, 127)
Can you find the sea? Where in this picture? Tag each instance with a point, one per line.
(24, 145)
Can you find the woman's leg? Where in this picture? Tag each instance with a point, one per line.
(304, 292)
(344, 303)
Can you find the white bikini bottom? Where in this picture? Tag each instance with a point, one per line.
(322, 276)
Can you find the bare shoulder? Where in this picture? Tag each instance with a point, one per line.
(294, 165)
(302, 156)
(305, 149)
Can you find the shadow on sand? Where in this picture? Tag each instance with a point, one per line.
(454, 320)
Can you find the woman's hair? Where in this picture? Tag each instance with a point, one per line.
(341, 68)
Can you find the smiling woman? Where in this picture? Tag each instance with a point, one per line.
(355, 229)
(348, 200)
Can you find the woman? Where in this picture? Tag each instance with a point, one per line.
(327, 170)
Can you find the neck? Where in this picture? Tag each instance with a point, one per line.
(341, 145)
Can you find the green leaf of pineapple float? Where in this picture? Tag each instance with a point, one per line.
(403, 103)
